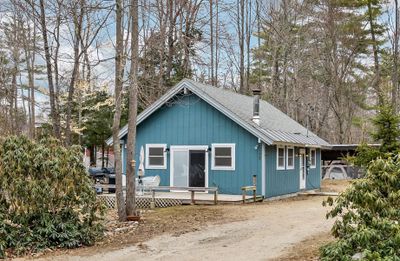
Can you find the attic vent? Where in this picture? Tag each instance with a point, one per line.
(256, 106)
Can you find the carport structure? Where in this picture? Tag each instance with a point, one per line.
(339, 151)
(333, 164)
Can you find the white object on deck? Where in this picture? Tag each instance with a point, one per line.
(150, 181)
(141, 163)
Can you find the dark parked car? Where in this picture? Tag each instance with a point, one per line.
(103, 176)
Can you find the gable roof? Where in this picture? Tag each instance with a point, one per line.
(275, 126)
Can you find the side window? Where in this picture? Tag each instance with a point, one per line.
(155, 156)
(280, 157)
(223, 156)
(290, 157)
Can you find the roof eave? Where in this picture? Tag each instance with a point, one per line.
(188, 84)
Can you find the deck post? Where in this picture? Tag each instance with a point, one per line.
(254, 195)
(192, 197)
(215, 197)
(153, 199)
(244, 196)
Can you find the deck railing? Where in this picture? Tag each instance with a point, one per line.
(153, 191)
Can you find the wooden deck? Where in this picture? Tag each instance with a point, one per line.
(202, 198)
(184, 197)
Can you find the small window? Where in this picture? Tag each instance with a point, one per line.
(280, 157)
(313, 158)
(155, 156)
(223, 156)
(290, 158)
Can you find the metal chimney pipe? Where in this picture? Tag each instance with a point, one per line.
(256, 106)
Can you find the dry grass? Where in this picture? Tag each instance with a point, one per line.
(306, 250)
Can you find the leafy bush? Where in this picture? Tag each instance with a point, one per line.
(46, 198)
(368, 212)
(369, 216)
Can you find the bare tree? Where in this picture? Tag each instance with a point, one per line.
(53, 109)
(133, 104)
(119, 72)
(213, 82)
(395, 76)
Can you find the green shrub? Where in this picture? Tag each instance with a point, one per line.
(46, 198)
(368, 215)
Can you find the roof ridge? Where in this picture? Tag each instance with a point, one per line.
(238, 111)
(271, 106)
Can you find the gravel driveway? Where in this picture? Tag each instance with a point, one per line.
(268, 232)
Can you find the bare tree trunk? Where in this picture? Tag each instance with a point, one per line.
(162, 22)
(133, 91)
(212, 42)
(240, 24)
(258, 43)
(377, 78)
(30, 65)
(395, 77)
(248, 35)
(53, 109)
(117, 114)
(56, 54)
(78, 18)
(14, 108)
(216, 41)
(171, 28)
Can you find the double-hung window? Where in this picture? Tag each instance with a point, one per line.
(280, 157)
(223, 156)
(289, 157)
(156, 156)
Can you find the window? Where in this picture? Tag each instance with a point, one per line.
(155, 156)
(280, 155)
(290, 158)
(313, 158)
(223, 156)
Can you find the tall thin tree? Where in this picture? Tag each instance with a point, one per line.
(119, 72)
(395, 76)
(53, 108)
(133, 103)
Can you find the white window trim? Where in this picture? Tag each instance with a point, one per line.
(233, 155)
(277, 157)
(287, 157)
(313, 166)
(148, 166)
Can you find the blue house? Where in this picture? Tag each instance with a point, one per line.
(202, 136)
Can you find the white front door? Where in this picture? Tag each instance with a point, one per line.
(303, 174)
(189, 166)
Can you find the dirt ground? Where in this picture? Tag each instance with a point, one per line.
(291, 229)
(332, 185)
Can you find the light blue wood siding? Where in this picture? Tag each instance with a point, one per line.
(314, 174)
(191, 121)
(281, 182)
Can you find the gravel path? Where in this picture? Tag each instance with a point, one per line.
(269, 231)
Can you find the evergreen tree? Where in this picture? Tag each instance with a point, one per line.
(368, 211)
(386, 132)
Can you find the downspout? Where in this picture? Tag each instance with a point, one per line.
(263, 170)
